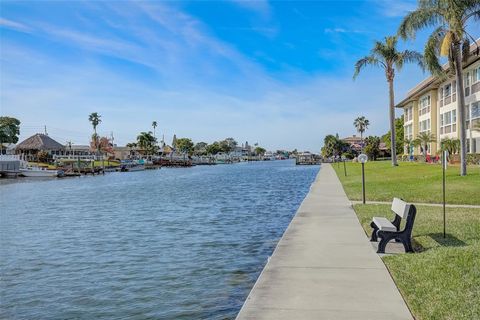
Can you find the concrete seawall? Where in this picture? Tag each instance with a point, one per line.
(324, 266)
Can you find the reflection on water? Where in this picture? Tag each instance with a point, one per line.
(172, 243)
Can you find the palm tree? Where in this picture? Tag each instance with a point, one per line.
(450, 145)
(361, 124)
(95, 120)
(146, 141)
(385, 55)
(423, 139)
(154, 125)
(451, 39)
(131, 146)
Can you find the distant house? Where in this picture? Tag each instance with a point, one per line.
(123, 153)
(384, 150)
(30, 147)
(354, 142)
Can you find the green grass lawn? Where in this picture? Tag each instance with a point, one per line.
(413, 182)
(442, 279)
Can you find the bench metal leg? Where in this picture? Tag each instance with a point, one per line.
(407, 244)
(374, 238)
(386, 237)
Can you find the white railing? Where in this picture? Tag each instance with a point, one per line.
(10, 157)
(76, 157)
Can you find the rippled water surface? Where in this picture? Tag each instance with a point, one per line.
(166, 244)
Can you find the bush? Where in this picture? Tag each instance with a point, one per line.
(473, 158)
(43, 156)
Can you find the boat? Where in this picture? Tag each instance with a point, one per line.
(40, 172)
(132, 166)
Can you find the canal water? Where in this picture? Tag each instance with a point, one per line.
(183, 243)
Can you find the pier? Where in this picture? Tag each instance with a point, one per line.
(324, 266)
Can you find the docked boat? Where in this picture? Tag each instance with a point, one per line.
(132, 166)
(40, 172)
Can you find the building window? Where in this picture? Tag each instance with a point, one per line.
(467, 84)
(424, 125)
(424, 105)
(448, 122)
(475, 112)
(408, 132)
(476, 75)
(447, 90)
(408, 114)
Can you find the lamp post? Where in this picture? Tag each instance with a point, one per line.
(444, 167)
(363, 158)
(344, 166)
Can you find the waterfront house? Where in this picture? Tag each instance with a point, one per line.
(75, 152)
(354, 142)
(432, 106)
(30, 148)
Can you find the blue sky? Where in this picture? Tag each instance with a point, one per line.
(278, 73)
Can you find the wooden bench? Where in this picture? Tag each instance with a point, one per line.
(386, 230)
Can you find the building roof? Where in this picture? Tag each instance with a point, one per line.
(352, 139)
(433, 82)
(39, 141)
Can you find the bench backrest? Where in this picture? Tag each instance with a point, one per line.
(400, 207)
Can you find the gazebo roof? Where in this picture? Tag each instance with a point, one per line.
(39, 141)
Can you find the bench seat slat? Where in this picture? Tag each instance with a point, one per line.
(384, 224)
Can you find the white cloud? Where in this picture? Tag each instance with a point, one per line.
(342, 30)
(261, 7)
(9, 24)
(396, 8)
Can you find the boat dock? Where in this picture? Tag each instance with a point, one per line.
(324, 266)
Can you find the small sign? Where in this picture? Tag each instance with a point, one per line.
(362, 158)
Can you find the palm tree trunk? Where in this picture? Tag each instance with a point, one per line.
(361, 139)
(461, 111)
(393, 148)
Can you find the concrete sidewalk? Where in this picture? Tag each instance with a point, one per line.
(324, 266)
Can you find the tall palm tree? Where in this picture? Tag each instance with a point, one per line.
(361, 124)
(154, 125)
(95, 120)
(423, 139)
(451, 39)
(386, 55)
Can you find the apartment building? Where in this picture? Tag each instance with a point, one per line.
(432, 106)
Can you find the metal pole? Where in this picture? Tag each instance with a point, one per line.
(444, 164)
(344, 168)
(363, 183)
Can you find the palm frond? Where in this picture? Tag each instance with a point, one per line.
(365, 61)
(465, 50)
(409, 56)
(424, 16)
(446, 44)
(432, 51)
(472, 10)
